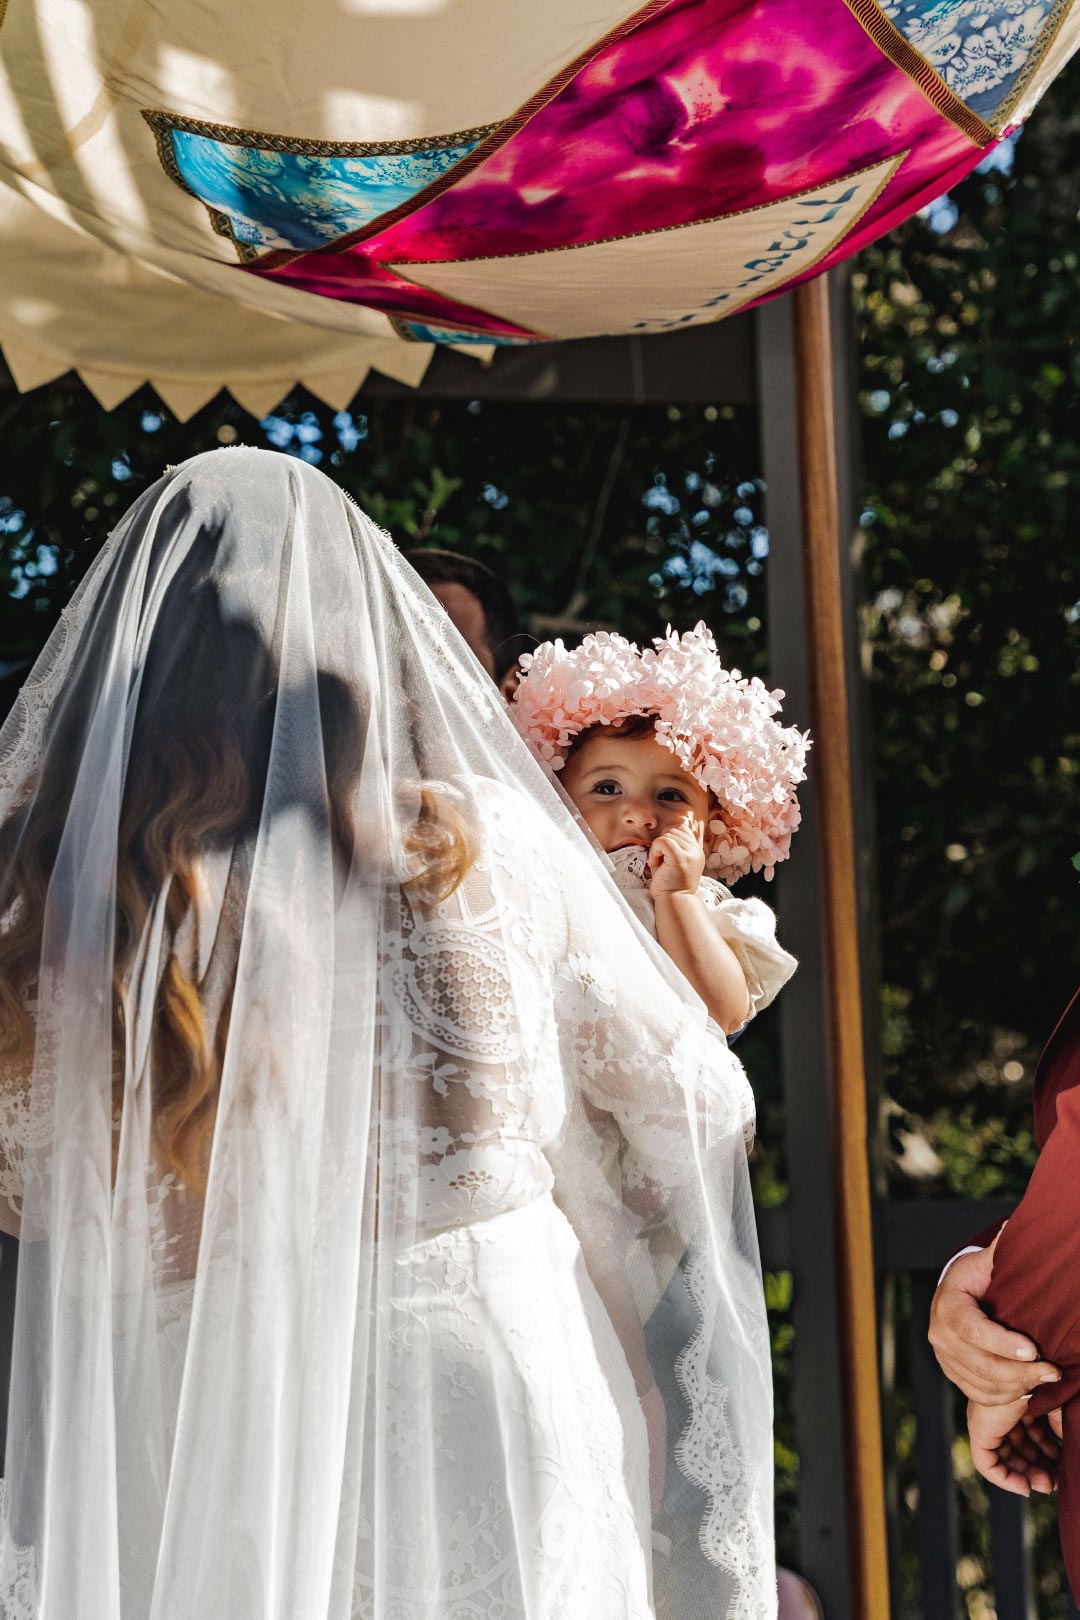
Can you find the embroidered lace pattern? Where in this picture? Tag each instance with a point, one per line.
(407, 1343)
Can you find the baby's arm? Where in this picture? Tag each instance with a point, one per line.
(687, 934)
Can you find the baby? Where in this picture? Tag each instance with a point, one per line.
(684, 776)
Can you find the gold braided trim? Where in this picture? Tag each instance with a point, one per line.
(1051, 30)
(498, 136)
(404, 270)
(401, 268)
(267, 141)
(164, 123)
(900, 51)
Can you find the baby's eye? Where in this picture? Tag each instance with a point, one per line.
(607, 788)
(673, 795)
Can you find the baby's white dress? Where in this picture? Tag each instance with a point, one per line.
(749, 926)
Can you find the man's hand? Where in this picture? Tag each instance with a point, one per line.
(993, 1366)
(1011, 1449)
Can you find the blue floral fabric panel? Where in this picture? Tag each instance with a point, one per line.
(980, 47)
(302, 200)
(443, 334)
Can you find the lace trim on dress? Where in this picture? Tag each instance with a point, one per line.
(732, 1535)
(18, 1570)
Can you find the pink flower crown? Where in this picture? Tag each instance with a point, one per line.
(719, 725)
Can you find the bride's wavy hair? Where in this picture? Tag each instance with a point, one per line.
(195, 782)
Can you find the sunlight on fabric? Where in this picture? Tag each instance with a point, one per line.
(33, 311)
(393, 8)
(197, 77)
(384, 118)
(469, 173)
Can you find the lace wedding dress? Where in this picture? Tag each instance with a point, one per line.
(400, 1345)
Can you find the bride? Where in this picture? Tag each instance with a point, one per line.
(351, 1126)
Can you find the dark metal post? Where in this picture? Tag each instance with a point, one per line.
(1010, 1554)
(825, 1550)
(9, 1266)
(934, 1465)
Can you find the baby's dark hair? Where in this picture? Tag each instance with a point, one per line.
(631, 728)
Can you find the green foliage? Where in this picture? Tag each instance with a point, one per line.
(778, 1302)
(970, 389)
(563, 503)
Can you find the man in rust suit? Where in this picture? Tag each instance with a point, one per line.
(1005, 1322)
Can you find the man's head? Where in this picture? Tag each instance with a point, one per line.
(481, 608)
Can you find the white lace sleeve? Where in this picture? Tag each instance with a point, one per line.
(629, 1034)
(638, 1048)
(749, 926)
(636, 1043)
(467, 1036)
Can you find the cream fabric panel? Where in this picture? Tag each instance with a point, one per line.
(625, 284)
(75, 79)
(67, 301)
(378, 70)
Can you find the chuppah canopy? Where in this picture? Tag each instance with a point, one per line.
(205, 195)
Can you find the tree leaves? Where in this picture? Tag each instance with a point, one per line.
(970, 355)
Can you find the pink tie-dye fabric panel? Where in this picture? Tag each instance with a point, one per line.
(707, 107)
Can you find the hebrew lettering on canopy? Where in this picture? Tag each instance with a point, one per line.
(714, 268)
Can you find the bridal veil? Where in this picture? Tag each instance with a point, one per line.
(381, 1190)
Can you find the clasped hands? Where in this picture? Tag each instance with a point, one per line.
(998, 1371)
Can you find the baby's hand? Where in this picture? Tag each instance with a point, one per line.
(676, 860)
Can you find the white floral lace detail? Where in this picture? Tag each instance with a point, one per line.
(734, 1531)
(418, 987)
(18, 1570)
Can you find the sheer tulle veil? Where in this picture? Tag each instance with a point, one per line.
(375, 1175)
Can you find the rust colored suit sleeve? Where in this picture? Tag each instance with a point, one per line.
(1036, 1283)
(1037, 1263)
(981, 1240)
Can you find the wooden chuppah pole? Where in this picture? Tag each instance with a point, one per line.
(831, 763)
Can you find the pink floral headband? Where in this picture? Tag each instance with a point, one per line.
(719, 725)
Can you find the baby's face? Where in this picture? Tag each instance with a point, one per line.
(632, 789)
